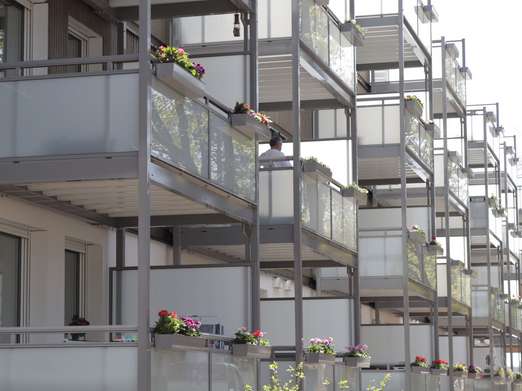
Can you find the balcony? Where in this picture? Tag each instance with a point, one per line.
(478, 209)
(460, 287)
(481, 309)
(381, 255)
(516, 318)
(379, 152)
(93, 136)
(326, 211)
(458, 184)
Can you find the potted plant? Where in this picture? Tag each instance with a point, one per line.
(296, 375)
(78, 321)
(175, 69)
(510, 375)
(500, 211)
(414, 105)
(311, 164)
(357, 356)
(439, 367)
(247, 120)
(493, 201)
(517, 378)
(500, 375)
(416, 234)
(320, 351)
(435, 247)
(432, 129)
(353, 190)
(420, 365)
(474, 372)
(353, 32)
(248, 344)
(170, 330)
(460, 370)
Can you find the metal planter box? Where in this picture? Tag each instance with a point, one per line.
(439, 372)
(461, 374)
(498, 213)
(517, 381)
(322, 2)
(414, 108)
(433, 248)
(499, 379)
(315, 358)
(180, 79)
(316, 167)
(357, 362)
(417, 369)
(249, 125)
(357, 194)
(166, 341)
(352, 34)
(473, 375)
(249, 350)
(417, 237)
(433, 130)
(493, 203)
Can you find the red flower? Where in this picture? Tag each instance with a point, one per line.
(418, 358)
(174, 315)
(257, 334)
(434, 238)
(161, 313)
(247, 106)
(423, 359)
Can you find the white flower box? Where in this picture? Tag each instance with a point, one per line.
(473, 375)
(318, 168)
(314, 358)
(166, 341)
(357, 194)
(249, 350)
(433, 248)
(352, 34)
(461, 374)
(250, 126)
(439, 372)
(417, 369)
(414, 108)
(433, 130)
(417, 237)
(180, 79)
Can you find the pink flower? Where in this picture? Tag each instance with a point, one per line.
(180, 50)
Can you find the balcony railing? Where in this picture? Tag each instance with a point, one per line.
(422, 264)
(481, 308)
(478, 209)
(455, 79)
(325, 210)
(458, 181)
(371, 130)
(460, 284)
(516, 317)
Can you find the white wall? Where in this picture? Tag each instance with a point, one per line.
(48, 232)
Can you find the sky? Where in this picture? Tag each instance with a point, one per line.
(492, 30)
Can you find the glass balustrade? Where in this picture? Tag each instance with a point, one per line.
(325, 210)
(480, 305)
(516, 318)
(378, 125)
(454, 77)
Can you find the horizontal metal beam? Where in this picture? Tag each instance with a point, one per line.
(169, 221)
(306, 264)
(179, 10)
(379, 66)
(305, 105)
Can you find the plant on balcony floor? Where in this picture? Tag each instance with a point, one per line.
(383, 383)
(296, 375)
(78, 321)
(358, 27)
(179, 56)
(243, 108)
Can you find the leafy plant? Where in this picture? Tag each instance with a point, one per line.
(358, 351)
(313, 159)
(416, 228)
(243, 108)
(439, 364)
(460, 368)
(493, 197)
(415, 99)
(356, 187)
(383, 383)
(321, 346)
(293, 384)
(500, 372)
(359, 28)
(420, 362)
(510, 374)
(168, 323)
(517, 375)
(243, 336)
(78, 321)
(435, 243)
(180, 57)
(474, 369)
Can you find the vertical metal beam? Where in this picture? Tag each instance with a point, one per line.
(144, 141)
(122, 38)
(176, 245)
(446, 211)
(296, 130)
(405, 288)
(508, 263)
(120, 247)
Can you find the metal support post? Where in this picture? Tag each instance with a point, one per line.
(120, 247)
(405, 287)
(446, 214)
(176, 245)
(296, 129)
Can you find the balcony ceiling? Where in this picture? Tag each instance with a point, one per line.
(275, 81)
(385, 168)
(381, 46)
(452, 106)
(476, 155)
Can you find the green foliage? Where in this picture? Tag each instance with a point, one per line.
(180, 57)
(243, 336)
(313, 159)
(352, 21)
(371, 387)
(356, 186)
(297, 375)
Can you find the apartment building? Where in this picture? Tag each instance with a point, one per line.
(128, 186)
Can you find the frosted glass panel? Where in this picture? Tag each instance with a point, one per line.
(177, 370)
(59, 369)
(380, 256)
(179, 129)
(220, 71)
(349, 374)
(392, 117)
(192, 30)
(169, 290)
(339, 313)
(232, 158)
(397, 380)
(214, 31)
(477, 212)
(369, 125)
(392, 337)
(317, 375)
(380, 218)
(314, 28)
(51, 117)
(274, 207)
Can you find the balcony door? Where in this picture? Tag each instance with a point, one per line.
(10, 266)
(74, 284)
(11, 34)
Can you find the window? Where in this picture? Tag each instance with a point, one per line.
(10, 262)
(11, 33)
(75, 47)
(83, 42)
(74, 285)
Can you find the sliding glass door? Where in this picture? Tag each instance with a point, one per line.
(10, 260)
